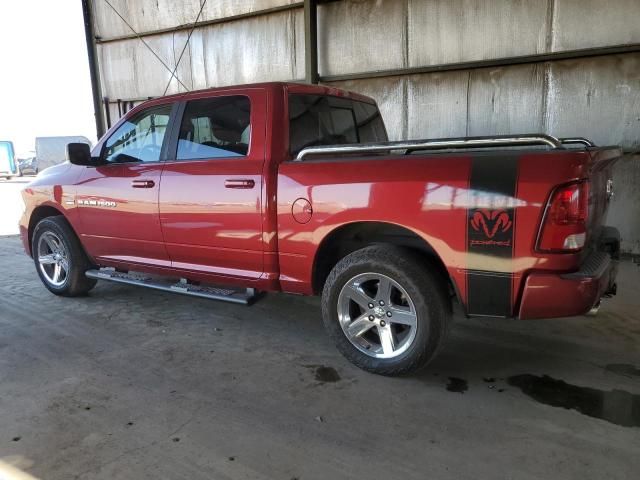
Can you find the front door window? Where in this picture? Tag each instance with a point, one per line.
(139, 139)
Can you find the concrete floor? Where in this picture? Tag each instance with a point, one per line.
(135, 384)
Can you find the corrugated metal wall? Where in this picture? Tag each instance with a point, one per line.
(597, 97)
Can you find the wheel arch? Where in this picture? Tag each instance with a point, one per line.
(350, 237)
(40, 213)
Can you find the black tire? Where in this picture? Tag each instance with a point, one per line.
(426, 288)
(75, 282)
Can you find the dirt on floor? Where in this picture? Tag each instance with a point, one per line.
(131, 383)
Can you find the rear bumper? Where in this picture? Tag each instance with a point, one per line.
(548, 295)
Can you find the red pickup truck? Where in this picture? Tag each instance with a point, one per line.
(295, 188)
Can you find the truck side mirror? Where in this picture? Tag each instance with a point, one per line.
(79, 154)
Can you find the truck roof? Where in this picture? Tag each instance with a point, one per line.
(292, 87)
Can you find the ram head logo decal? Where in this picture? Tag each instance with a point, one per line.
(491, 222)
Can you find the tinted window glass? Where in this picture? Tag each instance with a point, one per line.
(140, 138)
(324, 120)
(214, 128)
(370, 124)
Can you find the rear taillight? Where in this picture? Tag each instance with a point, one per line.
(564, 226)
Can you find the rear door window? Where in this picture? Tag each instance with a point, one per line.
(217, 127)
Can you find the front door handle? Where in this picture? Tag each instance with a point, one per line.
(143, 184)
(239, 183)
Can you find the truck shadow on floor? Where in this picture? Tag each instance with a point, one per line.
(475, 357)
(503, 366)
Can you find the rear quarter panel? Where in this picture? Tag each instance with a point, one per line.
(436, 197)
(425, 196)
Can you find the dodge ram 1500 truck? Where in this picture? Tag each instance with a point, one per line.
(296, 188)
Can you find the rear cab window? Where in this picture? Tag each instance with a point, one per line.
(316, 120)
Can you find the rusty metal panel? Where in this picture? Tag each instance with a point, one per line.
(595, 23)
(389, 94)
(454, 31)
(130, 70)
(114, 113)
(597, 98)
(506, 100)
(297, 19)
(197, 57)
(361, 36)
(148, 15)
(228, 8)
(437, 105)
(624, 211)
(252, 50)
(258, 49)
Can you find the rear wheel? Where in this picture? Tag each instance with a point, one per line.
(59, 258)
(385, 310)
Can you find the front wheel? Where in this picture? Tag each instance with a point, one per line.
(385, 310)
(59, 258)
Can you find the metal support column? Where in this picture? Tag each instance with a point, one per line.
(311, 41)
(93, 67)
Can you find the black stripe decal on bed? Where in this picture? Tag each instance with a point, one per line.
(490, 234)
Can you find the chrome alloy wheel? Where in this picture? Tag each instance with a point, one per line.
(377, 315)
(53, 258)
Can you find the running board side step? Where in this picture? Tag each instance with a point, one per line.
(246, 297)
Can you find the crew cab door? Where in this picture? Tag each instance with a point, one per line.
(211, 189)
(118, 200)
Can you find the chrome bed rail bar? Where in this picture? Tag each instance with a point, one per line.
(574, 140)
(437, 144)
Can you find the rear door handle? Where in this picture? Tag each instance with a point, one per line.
(239, 183)
(143, 184)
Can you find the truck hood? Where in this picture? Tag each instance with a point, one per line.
(54, 170)
(61, 174)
